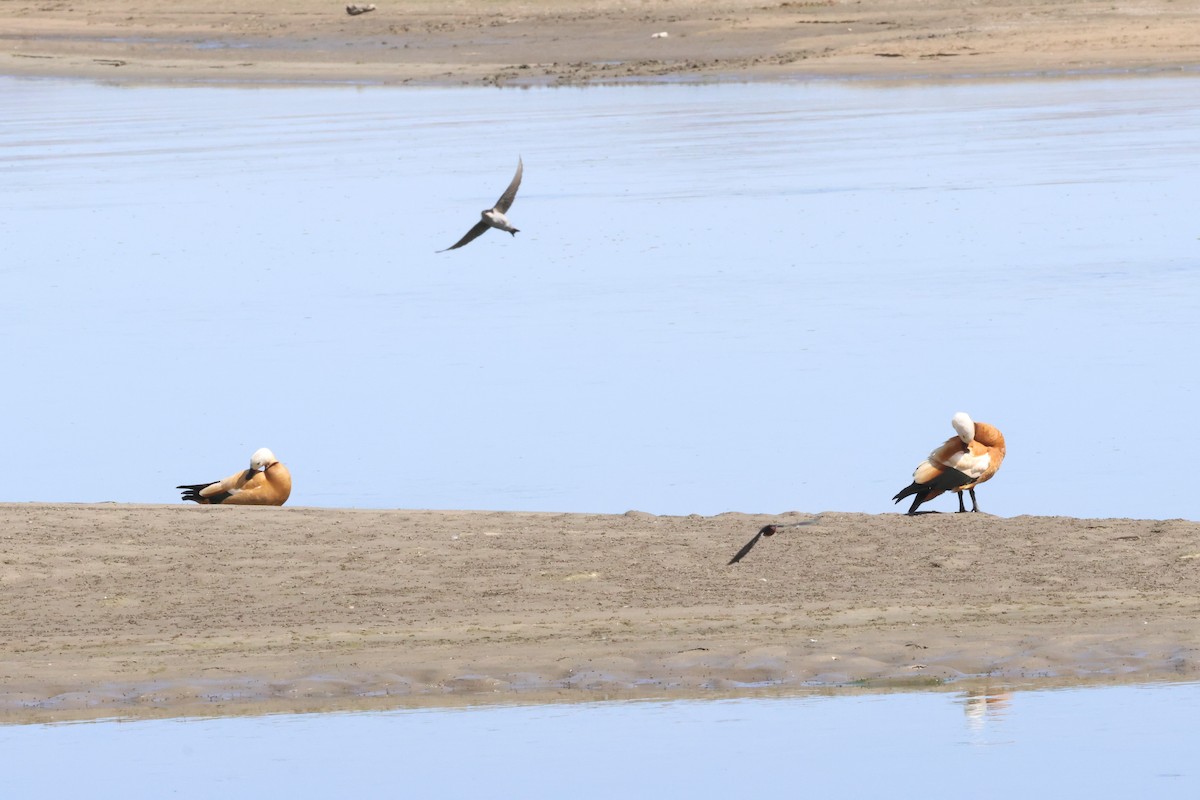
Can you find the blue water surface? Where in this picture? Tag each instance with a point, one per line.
(736, 297)
(1113, 742)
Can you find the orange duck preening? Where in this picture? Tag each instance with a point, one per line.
(266, 483)
(961, 464)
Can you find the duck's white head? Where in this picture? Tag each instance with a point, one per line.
(965, 427)
(262, 459)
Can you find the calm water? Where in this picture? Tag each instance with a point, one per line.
(753, 298)
(1121, 742)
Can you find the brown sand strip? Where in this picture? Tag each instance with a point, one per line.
(572, 42)
(145, 609)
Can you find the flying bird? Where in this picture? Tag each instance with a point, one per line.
(959, 465)
(266, 483)
(766, 530)
(494, 217)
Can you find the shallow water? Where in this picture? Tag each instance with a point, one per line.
(739, 297)
(1128, 741)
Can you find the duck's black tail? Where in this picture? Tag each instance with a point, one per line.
(192, 493)
(912, 488)
(947, 481)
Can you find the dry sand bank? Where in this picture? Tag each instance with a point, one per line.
(172, 610)
(555, 41)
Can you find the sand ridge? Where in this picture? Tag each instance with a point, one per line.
(532, 42)
(126, 609)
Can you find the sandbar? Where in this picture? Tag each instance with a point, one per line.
(117, 609)
(569, 42)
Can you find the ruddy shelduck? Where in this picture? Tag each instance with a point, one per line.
(959, 465)
(266, 483)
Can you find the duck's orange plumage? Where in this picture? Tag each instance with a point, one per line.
(266, 483)
(959, 465)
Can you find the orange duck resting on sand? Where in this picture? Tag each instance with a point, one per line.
(961, 464)
(266, 483)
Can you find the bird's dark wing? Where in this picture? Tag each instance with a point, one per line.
(192, 492)
(769, 530)
(471, 236)
(746, 548)
(947, 480)
(510, 193)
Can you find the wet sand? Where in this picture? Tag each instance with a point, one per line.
(553, 42)
(117, 609)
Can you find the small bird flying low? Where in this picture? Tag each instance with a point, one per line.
(959, 465)
(494, 217)
(767, 530)
(266, 483)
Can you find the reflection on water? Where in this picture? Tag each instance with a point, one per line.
(1128, 741)
(985, 709)
(753, 298)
